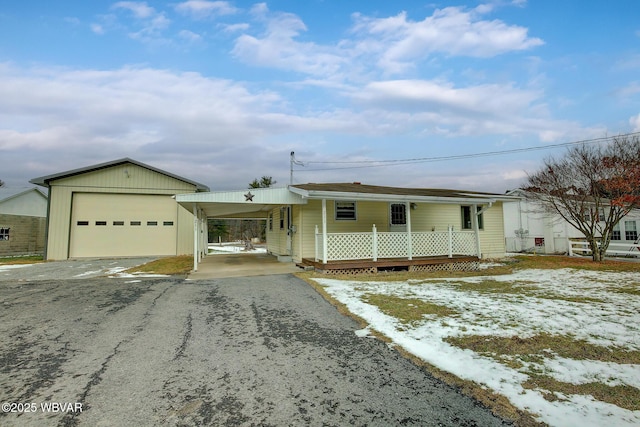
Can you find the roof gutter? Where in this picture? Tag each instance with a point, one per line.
(337, 195)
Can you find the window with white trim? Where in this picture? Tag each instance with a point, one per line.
(4, 233)
(467, 220)
(398, 214)
(630, 231)
(345, 211)
(615, 232)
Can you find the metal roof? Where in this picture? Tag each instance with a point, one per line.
(44, 180)
(10, 193)
(357, 191)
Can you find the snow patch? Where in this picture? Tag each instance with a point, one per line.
(553, 302)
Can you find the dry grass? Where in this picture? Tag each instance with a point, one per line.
(177, 265)
(408, 310)
(21, 260)
(623, 396)
(519, 353)
(498, 404)
(544, 345)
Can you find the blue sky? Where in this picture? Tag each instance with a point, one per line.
(222, 91)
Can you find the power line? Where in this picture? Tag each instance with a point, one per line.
(381, 163)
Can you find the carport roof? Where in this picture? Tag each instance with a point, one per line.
(250, 203)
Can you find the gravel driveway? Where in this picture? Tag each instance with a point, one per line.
(227, 352)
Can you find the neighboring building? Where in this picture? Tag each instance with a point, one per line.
(22, 221)
(374, 227)
(528, 227)
(121, 208)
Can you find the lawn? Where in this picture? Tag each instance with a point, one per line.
(559, 338)
(16, 260)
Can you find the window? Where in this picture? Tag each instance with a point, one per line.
(630, 231)
(467, 220)
(601, 217)
(398, 214)
(167, 223)
(4, 233)
(615, 232)
(82, 223)
(152, 223)
(118, 223)
(134, 223)
(284, 218)
(345, 211)
(101, 222)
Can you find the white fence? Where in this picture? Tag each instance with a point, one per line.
(577, 247)
(373, 245)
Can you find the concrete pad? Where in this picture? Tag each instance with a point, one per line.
(241, 265)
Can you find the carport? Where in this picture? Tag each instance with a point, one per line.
(255, 203)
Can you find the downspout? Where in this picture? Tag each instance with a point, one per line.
(476, 228)
(195, 237)
(46, 224)
(477, 225)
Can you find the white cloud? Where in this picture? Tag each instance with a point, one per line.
(279, 49)
(202, 9)
(630, 90)
(139, 9)
(451, 31)
(390, 45)
(488, 99)
(97, 28)
(189, 36)
(233, 28)
(635, 123)
(150, 22)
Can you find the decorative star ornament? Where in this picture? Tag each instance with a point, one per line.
(248, 197)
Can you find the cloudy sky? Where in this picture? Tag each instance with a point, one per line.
(221, 92)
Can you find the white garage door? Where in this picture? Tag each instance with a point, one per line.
(118, 225)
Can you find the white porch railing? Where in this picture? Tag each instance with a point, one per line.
(373, 245)
(614, 249)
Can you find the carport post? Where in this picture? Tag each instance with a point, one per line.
(196, 237)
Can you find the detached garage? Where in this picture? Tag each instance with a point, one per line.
(118, 209)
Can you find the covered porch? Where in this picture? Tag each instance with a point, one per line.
(355, 226)
(374, 251)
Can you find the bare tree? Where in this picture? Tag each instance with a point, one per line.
(592, 188)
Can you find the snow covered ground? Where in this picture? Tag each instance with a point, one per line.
(549, 305)
(233, 247)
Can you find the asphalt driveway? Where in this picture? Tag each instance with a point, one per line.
(225, 352)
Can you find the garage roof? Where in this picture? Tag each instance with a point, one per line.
(45, 180)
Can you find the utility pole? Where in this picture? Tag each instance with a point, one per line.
(293, 161)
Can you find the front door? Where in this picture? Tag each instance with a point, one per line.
(398, 217)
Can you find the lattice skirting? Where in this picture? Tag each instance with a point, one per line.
(449, 266)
